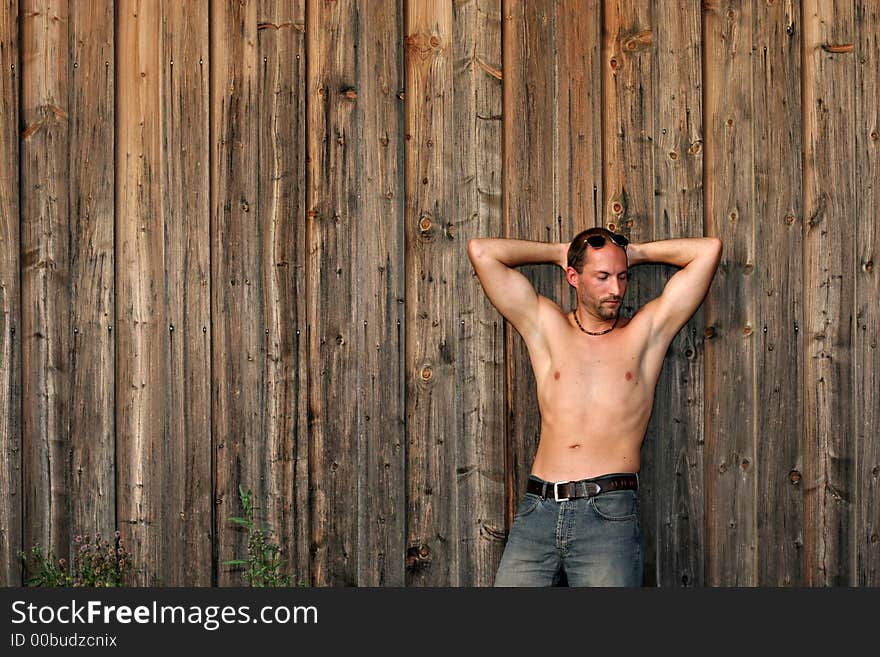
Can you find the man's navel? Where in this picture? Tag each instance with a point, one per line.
(556, 376)
(629, 376)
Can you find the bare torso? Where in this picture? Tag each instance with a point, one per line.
(595, 394)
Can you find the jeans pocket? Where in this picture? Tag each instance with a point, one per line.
(617, 505)
(527, 504)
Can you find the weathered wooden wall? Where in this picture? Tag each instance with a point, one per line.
(233, 252)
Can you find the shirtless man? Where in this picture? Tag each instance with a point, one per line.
(595, 373)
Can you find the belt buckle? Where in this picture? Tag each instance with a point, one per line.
(556, 491)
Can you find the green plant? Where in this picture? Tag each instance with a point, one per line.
(46, 569)
(96, 562)
(263, 566)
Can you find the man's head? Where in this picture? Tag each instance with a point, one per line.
(598, 272)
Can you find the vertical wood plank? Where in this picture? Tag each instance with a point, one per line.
(187, 502)
(142, 326)
(430, 287)
(629, 205)
(281, 192)
(829, 206)
(10, 302)
(579, 112)
(779, 311)
(92, 347)
(578, 120)
(44, 274)
(730, 310)
(678, 175)
(381, 274)
(238, 341)
(479, 469)
(866, 355)
(529, 205)
(334, 207)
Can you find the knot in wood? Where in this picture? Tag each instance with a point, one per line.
(427, 373)
(638, 41)
(794, 477)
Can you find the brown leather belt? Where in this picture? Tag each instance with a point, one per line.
(572, 490)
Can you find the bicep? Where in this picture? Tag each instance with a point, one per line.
(510, 292)
(683, 294)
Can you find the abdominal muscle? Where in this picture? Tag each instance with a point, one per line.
(569, 456)
(591, 430)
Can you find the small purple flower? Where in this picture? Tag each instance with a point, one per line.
(84, 548)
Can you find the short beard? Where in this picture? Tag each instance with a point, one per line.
(608, 313)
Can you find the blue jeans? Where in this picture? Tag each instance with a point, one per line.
(595, 541)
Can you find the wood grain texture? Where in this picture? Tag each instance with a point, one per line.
(431, 284)
(281, 191)
(529, 206)
(730, 472)
(237, 295)
(678, 174)
(142, 325)
(334, 209)
(382, 508)
(866, 355)
(92, 371)
(44, 275)
(829, 314)
(479, 450)
(187, 507)
(628, 90)
(10, 302)
(232, 251)
(578, 115)
(779, 309)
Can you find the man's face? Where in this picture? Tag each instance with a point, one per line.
(602, 284)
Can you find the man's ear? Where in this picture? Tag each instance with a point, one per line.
(572, 276)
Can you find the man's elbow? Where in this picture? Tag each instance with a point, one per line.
(475, 249)
(715, 247)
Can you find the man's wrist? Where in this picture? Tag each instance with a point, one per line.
(562, 260)
(634, 254)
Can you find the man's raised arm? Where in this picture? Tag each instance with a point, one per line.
(508, 290)
(685, 290)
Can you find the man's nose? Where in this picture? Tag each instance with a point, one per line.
(615, 287)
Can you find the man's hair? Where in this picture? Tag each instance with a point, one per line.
(577, 250)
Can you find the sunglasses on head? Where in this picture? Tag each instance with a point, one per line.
(598, 241)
